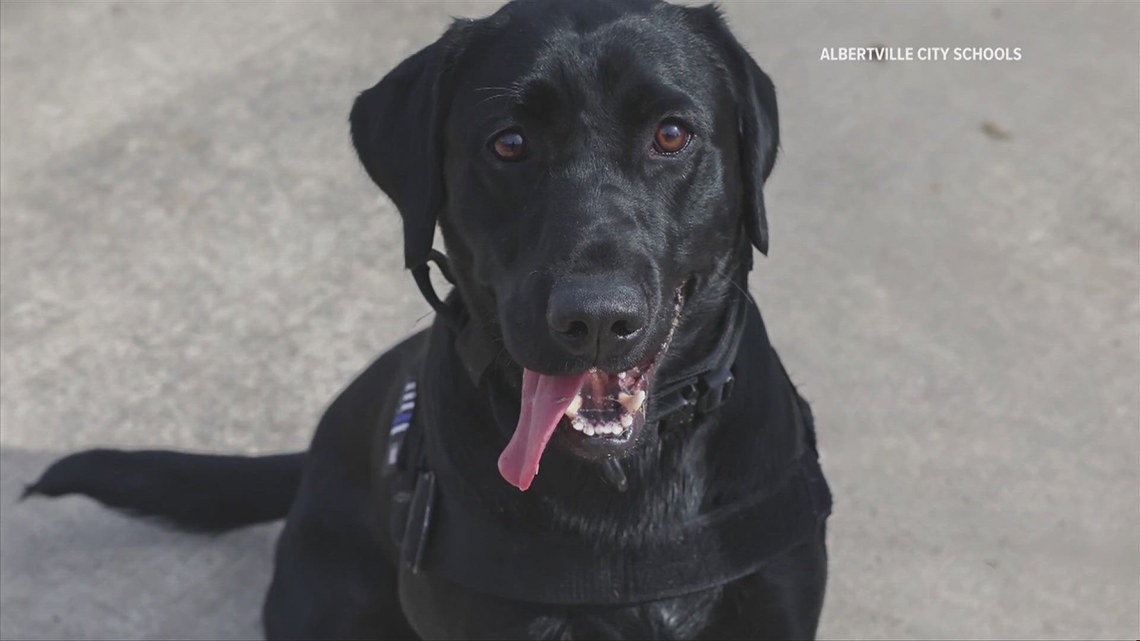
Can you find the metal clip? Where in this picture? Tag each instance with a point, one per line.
(715, 389)
(414, 542)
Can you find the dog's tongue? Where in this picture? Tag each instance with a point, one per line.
(544, 400)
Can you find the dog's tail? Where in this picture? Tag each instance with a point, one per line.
(198, 492)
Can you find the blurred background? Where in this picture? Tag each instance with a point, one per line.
(191, 258)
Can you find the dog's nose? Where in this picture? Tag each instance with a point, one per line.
(596, 316)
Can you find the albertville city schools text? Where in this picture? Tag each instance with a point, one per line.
(901, 54)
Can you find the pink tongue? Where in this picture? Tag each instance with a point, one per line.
(544, 401)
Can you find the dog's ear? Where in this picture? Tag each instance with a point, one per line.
(759, 124)
(397, 131)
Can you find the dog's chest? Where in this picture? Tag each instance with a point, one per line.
(437, 608)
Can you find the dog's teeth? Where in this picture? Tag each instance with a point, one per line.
(575, 405)
(609, 428)
(632, 402)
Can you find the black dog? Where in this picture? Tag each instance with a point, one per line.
(596, 168)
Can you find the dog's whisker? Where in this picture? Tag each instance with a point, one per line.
(501, 96)
(743, 291)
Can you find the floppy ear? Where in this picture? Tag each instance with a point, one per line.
(759, 124)
(396, 129)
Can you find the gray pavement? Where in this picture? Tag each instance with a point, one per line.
(190, 258)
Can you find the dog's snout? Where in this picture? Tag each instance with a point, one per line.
(596, 317)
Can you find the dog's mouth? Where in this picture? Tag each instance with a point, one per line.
(598, 411)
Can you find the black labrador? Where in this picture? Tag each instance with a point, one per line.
(596, 168)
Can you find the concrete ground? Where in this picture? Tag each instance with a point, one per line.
(191, 258)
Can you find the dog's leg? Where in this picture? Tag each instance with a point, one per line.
(782, 601)
(332, 579)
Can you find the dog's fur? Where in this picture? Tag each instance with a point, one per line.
(588, 81)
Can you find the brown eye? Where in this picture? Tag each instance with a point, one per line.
(671, 137)
(509, 145)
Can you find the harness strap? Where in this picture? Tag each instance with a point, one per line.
(411, 485)
(720, 547)
(484, 554)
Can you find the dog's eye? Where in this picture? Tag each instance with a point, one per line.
(509, 145)
(671, 137)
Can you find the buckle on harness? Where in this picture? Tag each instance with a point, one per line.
(713, 390)
(415, 508)
(707, 393)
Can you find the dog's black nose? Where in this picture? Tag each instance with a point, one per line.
(596, 316)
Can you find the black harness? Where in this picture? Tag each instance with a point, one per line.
(433, 531)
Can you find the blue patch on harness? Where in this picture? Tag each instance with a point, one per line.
(400, 424)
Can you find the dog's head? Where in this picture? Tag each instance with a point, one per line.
(596, 168)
